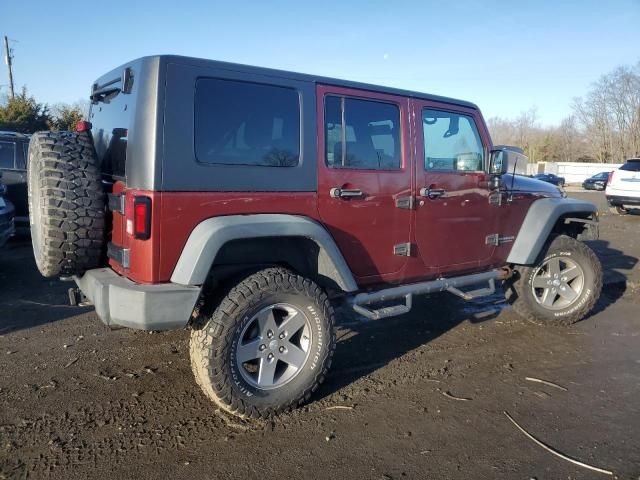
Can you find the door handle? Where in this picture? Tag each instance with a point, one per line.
(432, 193)
(346, 193)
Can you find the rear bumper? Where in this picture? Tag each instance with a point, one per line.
(620, 200)
(119, 301)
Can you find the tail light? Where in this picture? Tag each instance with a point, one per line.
(610, 176)
(83, 126)
(142, 218)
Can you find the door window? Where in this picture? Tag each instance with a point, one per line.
(451, 142)
(7, 154)
(362, 134)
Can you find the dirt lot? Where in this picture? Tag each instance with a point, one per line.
(78, 400)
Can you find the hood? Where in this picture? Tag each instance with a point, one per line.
(530, 185)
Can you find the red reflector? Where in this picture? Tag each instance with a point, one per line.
(142, 218)
(610, 177)
(83, 126)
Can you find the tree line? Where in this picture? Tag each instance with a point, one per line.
(604, 125)
(24, 114)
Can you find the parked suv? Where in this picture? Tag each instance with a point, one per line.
(623, 188)
(13, 166)
(244, 202)
(7, 213)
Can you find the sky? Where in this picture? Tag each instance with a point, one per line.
(505, 56)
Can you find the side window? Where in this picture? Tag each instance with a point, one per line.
(21, 156)
(241, 123)
(451, 142)
(361, 134)
(7, 154)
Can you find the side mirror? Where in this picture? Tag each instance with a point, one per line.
(504, 159)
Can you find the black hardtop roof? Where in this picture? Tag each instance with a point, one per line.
(5, 135)
(178, 59)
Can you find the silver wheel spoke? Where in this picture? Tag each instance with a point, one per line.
(570, 273)
(249, 351)
(266, 322)
(541, 282)
(567, 293)
(267, 372)
(294, 322)
(294, 356)
(548, 297)
(554, 267)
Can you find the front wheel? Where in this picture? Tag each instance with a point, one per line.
(267, 346)
(560, 289)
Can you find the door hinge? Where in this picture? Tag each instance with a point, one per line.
(495, 239)
(119, 254)
(406, 203)
(116, 202)
(402, 249)
(495, 199)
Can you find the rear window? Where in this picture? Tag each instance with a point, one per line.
(631, 166)
(7, 154)
(241, 123)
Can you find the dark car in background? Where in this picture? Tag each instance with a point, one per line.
(597, 182)
(550, 178)
(13, 167)
(6, 215)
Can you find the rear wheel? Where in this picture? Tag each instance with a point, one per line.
(267, 346)
(66, 203)
(561, 288)
(619, 210)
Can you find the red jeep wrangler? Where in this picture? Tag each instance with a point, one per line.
(239, 201)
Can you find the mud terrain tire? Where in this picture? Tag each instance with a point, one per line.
(525, 299)
(217, 343)
(66, 203)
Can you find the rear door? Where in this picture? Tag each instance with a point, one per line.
(457, 218)
(364, 179)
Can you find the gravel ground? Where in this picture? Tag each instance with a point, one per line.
(419, 396)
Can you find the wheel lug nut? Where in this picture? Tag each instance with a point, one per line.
(282, 335)
(262, 347)
(270, 356)
(281, 349)
(270, 334)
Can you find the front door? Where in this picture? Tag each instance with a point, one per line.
(364, 179)
(456, 217)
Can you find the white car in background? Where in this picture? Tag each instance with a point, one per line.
(623, 187)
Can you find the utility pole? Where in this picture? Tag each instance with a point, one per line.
(8, 58)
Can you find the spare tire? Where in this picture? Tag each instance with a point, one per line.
(66, 203)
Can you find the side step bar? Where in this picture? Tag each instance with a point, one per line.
(361, 302)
